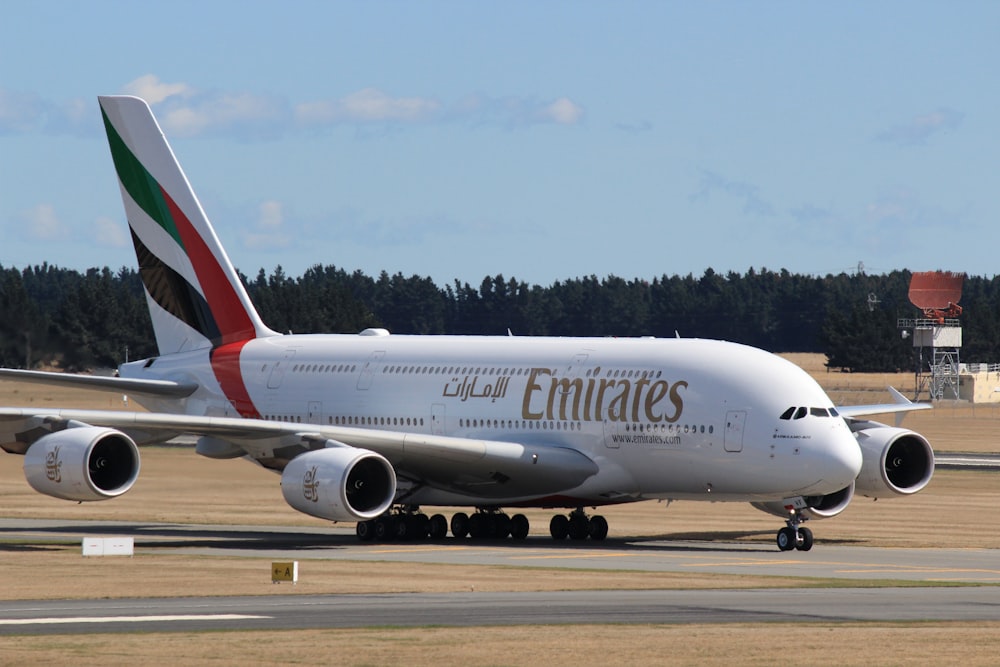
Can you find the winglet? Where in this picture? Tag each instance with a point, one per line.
(897, 397)
(899, 407)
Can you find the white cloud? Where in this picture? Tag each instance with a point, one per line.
(748, 194)
(43, 223)
(367, 106)
(110, 233)
(150, 88)
(270, 230)
(271, 215)
(563, 111)
(18, 111)
(921, 128)
(245, 113)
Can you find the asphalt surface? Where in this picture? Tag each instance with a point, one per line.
(977, 601)
(968, 604)
(954, 565)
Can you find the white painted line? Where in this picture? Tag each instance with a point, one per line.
(126, 619)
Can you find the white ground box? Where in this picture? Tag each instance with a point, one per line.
(108, 546)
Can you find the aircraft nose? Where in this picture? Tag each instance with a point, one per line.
(844, 456)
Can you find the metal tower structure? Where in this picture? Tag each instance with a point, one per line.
(937, 336)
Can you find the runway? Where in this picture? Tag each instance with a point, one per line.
(978, 602)
(954, 565)
(286, 612)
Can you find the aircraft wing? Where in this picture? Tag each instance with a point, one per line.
(462, 465)
(899, 406)
(162, 388)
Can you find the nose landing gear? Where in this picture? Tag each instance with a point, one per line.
(794, 535)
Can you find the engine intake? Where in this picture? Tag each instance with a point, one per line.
(339, 483)
(83, 463)
(897, 461)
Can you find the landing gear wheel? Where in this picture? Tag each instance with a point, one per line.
(559, 527)
(460, 525)
(438, 527)
(786, 538)
(501, 527)
(519, 527)
(479, 526)
(598, 528)
(579, 527)
(365, 530)
(805, 540)
(383, 528)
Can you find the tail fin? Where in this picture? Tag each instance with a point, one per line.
(195, 297)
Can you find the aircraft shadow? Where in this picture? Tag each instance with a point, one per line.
(236, 538)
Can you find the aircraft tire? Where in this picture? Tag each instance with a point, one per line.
(519, 527)
(598, 528)
(786, 539)
(805, 541)
(559, 527)
(460, 525)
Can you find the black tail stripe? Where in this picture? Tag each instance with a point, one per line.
(174, 294)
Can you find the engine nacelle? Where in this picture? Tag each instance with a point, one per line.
(83, 463)
(817, 507)
(896, 461)
(339, 483)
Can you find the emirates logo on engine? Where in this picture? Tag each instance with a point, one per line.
(53, 466)
(310, 486)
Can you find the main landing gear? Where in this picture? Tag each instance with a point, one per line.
(794, 535)
(486, 523)
(578, 526)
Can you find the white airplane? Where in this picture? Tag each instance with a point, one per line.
(371, 427)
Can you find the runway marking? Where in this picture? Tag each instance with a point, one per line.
(63, 620)
(919, 570)
(564, 556)
(748, 563)
(418, 550)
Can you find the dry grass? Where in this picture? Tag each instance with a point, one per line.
(847, 644)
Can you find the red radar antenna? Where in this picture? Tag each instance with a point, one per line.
(937, 293)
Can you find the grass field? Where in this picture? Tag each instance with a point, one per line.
(177, 486)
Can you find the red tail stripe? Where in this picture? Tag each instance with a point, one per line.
(230, 315)
(226, 365)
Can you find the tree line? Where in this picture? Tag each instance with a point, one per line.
(96, 318)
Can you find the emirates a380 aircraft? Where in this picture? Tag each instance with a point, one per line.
(372, 427)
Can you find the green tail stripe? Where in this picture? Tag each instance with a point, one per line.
(139, 183)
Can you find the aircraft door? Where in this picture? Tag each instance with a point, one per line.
(315, 414)
(278, 370)
(733, 436)
(369, 369)
(437, 419)
(611, 434)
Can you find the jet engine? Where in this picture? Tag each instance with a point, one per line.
(896, 461)
(339, 483)
(817, 507)
(82, 463)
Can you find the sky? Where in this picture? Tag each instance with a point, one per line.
(541, 141)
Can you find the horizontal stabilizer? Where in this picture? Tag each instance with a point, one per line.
(162, 388)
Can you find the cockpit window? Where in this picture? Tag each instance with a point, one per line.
(800, 412)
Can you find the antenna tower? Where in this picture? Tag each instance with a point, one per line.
(937, 335)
